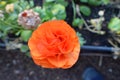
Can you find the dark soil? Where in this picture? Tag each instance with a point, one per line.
(16, 66)
(90, 37)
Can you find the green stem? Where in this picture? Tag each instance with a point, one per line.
(12, 26)
(85, 23)
(74, 9)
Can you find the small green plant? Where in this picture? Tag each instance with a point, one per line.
(85, 10)
(9, 23)
(96, 24)
(81, 39)
(114, 25)
(95, 2)
(3, 3)
(18, 16)
(77, 22)
(52, 9)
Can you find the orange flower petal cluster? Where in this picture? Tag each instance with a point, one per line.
(54, 45)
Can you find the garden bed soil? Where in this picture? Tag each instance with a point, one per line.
(14, 65)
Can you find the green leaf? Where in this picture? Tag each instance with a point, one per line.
(77, 22)
(4, 26)
(1, 34)
(24, 4)
(49, 0)
(85, 10)
(28, 54)
(44, 15)
(106, 1)
(2, 4)
(62, 2)
(37, 9)
(7, 29)
(95, 2)
(24, 48)
(31, 3)
(49, 13)
(114, 25)
(81, 39)
(11, 1)
(84, 1)
(13, 16)
(58, 11)
(25, 35)
(18, 33)
(53, 9)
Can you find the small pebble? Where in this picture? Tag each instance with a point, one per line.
(31, 73)
(26, 78)
(17, 71)
(7, 65)
(115, 57)
(57, 78)
(1, 61)
(110, 70)
(14, 62)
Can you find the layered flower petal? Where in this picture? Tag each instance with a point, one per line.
(54, 45)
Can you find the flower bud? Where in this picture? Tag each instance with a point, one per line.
(9, 8)
(29, 19)
(101, 13)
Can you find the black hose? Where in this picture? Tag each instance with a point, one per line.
(2, 45)
(98, 48)
(87, 48)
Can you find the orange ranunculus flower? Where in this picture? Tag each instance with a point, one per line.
(54, 45)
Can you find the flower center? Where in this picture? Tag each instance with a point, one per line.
(24, 14)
